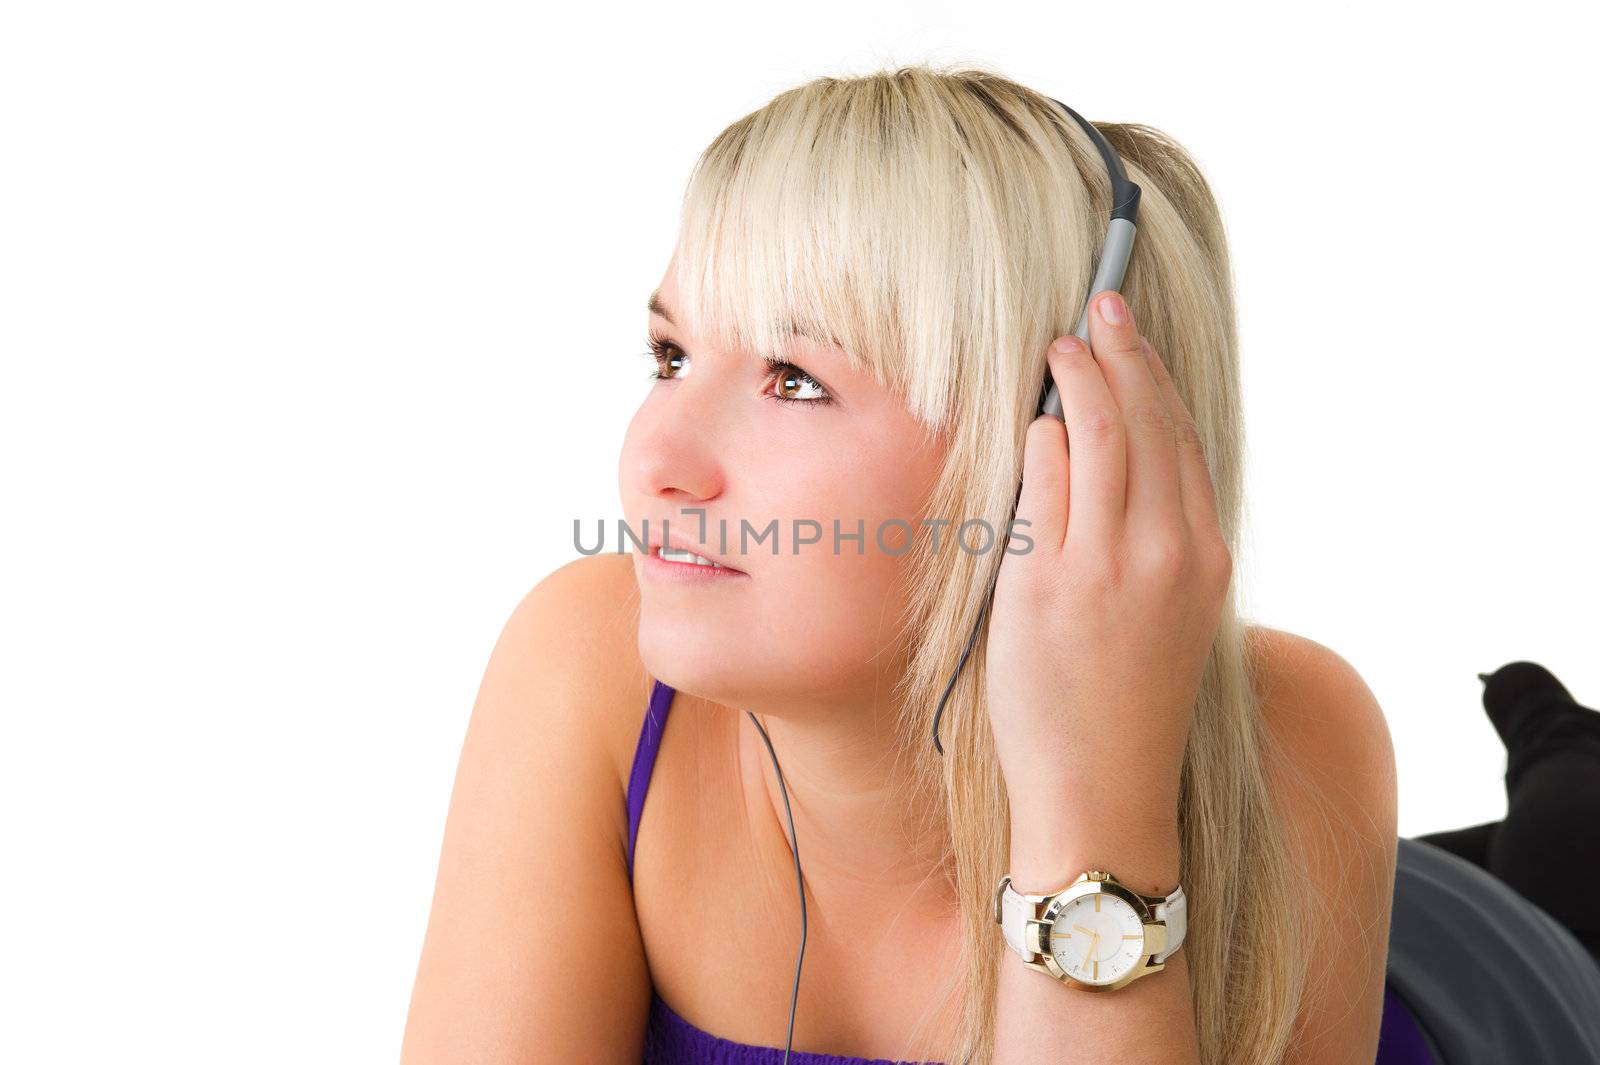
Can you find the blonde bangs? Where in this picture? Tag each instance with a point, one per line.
(864, 213)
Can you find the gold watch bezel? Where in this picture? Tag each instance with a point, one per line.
(1036, 931)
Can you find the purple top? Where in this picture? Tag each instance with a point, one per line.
(671, 1040)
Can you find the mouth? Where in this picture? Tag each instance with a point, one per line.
(676, 554)
(679, 562)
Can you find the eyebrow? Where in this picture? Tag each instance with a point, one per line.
(658, 306)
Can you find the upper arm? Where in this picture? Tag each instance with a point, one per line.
(1336, 786)
(532, 950)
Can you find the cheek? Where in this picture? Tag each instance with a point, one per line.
(842, 490)
(828, 608)
(810, 619)
(862, 476)
(846, 582)
(823, 619)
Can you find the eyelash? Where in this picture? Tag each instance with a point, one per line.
(659, 348)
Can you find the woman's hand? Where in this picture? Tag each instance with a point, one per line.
(1100, 633)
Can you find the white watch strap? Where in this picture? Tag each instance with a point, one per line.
(1175, 912)
(1017, 909)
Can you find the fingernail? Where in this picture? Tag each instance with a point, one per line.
(1113, 310)
(1067, 345)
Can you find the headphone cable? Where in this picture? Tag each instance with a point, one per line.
(794, 842)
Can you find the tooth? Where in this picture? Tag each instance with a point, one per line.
(679, 555)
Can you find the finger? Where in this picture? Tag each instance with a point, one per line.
(1042, 503)
(1096, 442)
(1194, 472)
(1153, 500)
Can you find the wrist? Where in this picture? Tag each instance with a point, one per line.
(1144, 854)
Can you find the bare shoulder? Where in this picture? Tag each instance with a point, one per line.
(589, 608)
(571, 642)
(508, 970)
(1332, 774)
(1318, 707)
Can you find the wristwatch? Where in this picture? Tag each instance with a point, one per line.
(1096, 934)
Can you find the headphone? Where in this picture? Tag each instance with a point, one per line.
(1113, 263)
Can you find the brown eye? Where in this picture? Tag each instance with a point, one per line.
(669, 359)
(794, 385)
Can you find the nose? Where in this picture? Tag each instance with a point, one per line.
(675, 448)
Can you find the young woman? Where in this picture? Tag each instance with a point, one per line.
(849, 345)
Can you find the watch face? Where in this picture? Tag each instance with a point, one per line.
(1097, 938)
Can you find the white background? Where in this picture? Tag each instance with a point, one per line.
(319, 325)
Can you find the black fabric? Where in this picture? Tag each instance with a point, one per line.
(1490, 977)
(1547, 847)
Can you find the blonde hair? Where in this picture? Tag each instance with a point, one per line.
(942, 226)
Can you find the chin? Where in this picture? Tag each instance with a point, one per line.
(728, 671)
(689, 655)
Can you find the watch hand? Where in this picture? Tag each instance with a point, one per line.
(1094, 943)
(1080, 928)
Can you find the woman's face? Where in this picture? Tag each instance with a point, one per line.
(761, 451)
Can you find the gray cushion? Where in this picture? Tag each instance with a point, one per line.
(1491, 976)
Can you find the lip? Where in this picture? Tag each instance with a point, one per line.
(662, 569)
